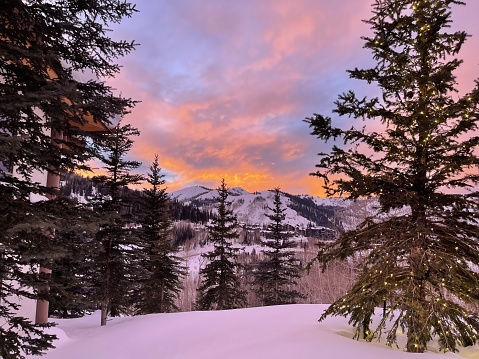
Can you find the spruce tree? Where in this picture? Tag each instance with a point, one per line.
(421, 248)
(220, 286)
(275, 275)
(30, 233)
(71, 291)
(43, 108)
(163, 269)
(118, 261)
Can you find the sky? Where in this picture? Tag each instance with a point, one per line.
(225, 85)
(279, 332)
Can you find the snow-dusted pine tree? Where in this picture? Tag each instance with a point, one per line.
(161, 281)
(220, 286)
(275, 276)
(422, 260)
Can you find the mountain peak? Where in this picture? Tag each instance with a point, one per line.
(237, 191)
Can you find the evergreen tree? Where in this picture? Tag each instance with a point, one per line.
(32, 230)
(118, 261)
(276, 274)
(72, 294)
(421, 248)
(161, 284)
(43, 108)
(220, 286)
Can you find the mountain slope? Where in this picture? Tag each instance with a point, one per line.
(252, 208)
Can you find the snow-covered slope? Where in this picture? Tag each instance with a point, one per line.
(187, 194)
(277, 332)
(252, 208)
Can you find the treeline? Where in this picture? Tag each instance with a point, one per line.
(320, 215)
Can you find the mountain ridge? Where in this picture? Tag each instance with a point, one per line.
(197, 204)
(301, 211)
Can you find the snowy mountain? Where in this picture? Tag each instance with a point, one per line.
(195, 204)
(252, 208)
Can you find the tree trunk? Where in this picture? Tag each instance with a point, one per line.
(53, 181)
(105, 301)
(418, 331)
(104, 312)
(41, 314)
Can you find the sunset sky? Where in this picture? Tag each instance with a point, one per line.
(225, 84)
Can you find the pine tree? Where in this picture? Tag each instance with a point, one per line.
(220, 286)
(43, 108)
(161, 284)
(276, 274)
(71, 292)
(118, 261)
(34, 231)
(421, 248)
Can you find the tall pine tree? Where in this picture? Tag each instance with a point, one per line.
(43, 116)
(421, 259)
(220, 286)
(275, 275)
(163, 269)
(118, 261)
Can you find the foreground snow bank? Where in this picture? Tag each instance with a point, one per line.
(281, 332)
